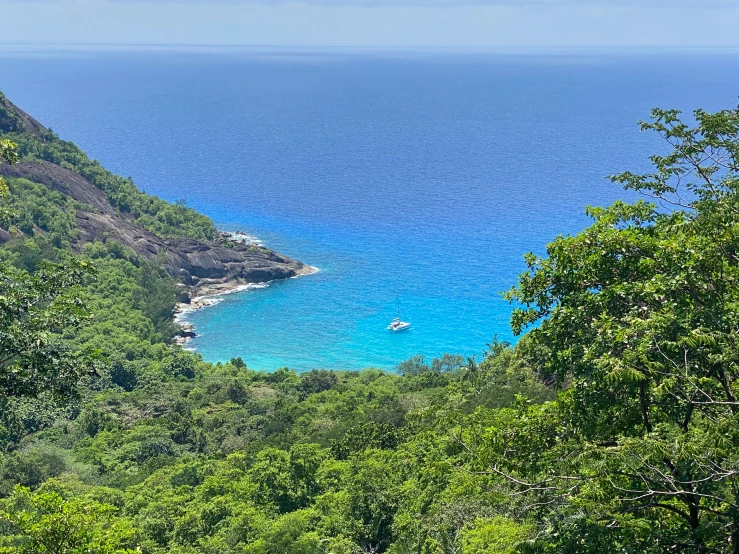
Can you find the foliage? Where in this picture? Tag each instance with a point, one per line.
(32, 309)
(221, 458)
(157, 297)
(152, 213)
(8, 152)
(9, 155)
(609, 427)
(495, 536)
(40, 212)
(639, 317)
(43, 522)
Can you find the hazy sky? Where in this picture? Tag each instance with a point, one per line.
(375, 23)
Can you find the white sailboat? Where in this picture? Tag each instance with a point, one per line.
(397, 324)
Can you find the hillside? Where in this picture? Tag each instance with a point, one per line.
(185, 242)
(611, 426)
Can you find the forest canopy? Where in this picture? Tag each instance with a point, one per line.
(611, 426)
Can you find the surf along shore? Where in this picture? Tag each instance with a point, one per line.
(208, 292)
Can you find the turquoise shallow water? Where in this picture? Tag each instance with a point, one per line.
(425, 176)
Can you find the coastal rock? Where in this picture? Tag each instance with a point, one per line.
(62, 180)
(15, 120)
(205, 267)
(198, 264)
(187, 331)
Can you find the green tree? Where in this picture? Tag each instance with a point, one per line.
(158, 297)
(33, 308)
(415, 365)
(495, 536)
(639, 316)
(9, 155)
(43, 522)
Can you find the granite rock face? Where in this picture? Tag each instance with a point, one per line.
(203, 266)
(15, 120)
(61, 180)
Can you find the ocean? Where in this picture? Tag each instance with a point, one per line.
(412, 177)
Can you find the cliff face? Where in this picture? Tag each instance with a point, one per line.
(201, 265)
(15, 120)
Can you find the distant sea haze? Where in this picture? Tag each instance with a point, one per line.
(420, 177)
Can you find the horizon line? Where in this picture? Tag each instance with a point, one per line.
(482, 49)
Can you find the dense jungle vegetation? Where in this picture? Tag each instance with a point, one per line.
(612, 425)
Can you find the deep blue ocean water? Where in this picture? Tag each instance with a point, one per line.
(420, 175)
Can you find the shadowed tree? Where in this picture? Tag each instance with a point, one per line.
(639, 316)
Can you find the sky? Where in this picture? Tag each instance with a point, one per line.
(466, 24)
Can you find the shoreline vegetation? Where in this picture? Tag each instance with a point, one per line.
(611, 426)
(70, 201)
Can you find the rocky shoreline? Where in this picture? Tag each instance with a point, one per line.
(199, 264)
(208, 294)
(208, 267)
